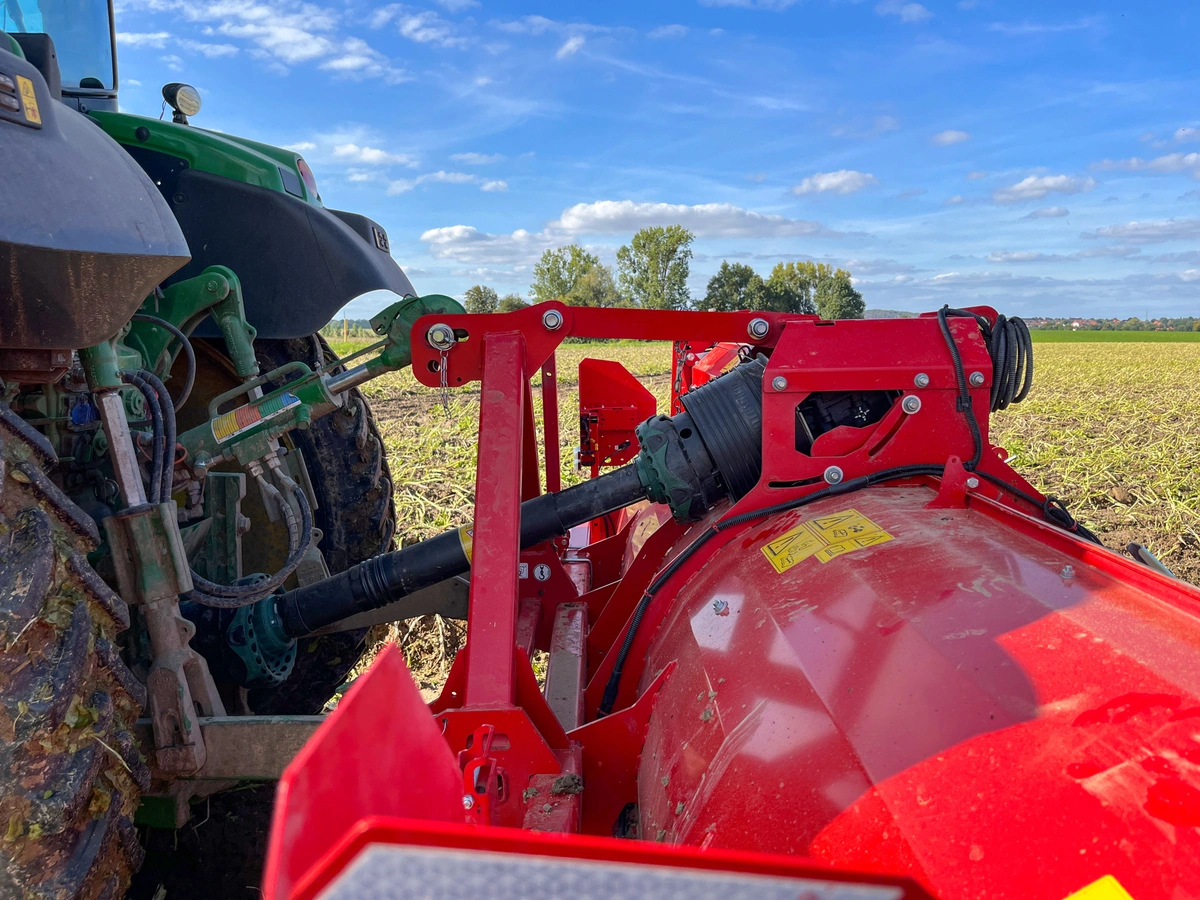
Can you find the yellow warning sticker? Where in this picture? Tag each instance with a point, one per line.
(29, 97)
(1107, 888)
(826, 538)
(466, 537)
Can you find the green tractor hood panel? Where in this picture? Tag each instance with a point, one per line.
(242, 204)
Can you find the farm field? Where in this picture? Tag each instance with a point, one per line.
(1111, 428)
(1048, 336)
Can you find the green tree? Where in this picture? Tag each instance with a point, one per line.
(480, 299)
(558, 271)
(836, 298)
(734, 287)
(654, 267)
(596, 288)
(511, 302)
(792, 286)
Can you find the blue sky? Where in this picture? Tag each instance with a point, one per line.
(1043, 158)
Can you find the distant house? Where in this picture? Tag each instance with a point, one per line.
(1076, 325)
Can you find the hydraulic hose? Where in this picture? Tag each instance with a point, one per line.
(391, 576)
(158, 428)
(185, 346)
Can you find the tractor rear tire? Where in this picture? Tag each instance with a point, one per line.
(349, 473)
(70, 773)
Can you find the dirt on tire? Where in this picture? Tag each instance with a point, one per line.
(70, 773)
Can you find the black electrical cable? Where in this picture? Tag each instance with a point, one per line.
(158, 429)
(614, 679)
(185, 345)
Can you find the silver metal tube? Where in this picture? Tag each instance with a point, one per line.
(121, 448)
(351, 378)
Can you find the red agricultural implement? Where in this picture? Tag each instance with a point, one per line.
(845, 651)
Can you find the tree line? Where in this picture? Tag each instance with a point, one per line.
(652, 273)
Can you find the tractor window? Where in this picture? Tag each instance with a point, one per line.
(81, 36)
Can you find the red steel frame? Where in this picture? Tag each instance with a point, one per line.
(491, 712)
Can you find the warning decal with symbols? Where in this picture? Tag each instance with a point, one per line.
(826, 538)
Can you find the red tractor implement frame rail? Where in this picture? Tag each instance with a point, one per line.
(492, 749)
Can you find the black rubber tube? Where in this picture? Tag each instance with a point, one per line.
(391, 576)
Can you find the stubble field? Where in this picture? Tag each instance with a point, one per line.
(1113, 428)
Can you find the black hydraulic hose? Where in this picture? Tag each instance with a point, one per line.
(391, 576)
(158, 443)
(185, 345)
(232, 596)
(169, 432)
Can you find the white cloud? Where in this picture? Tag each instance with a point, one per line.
(399, 186)
(948, 137)
(1190, 195)
(1048, 212)
(1153, 232)
(174, 63)
(491, 186)
(360, 176)
(1035, 187)
(155, 39)
(133, 82)
(212, 51)
(907, 12)
(446, 177)
(772, 5)
(911, 193)
(956, 200)
(570, 46)
(456, 6)
(359, 60)
(477, 159)
(667, 31)
(467, 244)
(978, 175)
(429, 28)
(1019, 256)
(843, 181)
(372, 156)
(1170, 164)
(301, 146)
(1184, 135)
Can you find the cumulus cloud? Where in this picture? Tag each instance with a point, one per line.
(1185, 134)
(1169, 164)
(446, 177)
(907, 12)
(428, 27)
(978, 175)
(1035, 187)
(1048, 212)
(948, 137)
(372, 156)
(477, 159)
(1151, 232)
(570, 46)
(843, 181)
(496, 185)
(467, 244)
(667, 31)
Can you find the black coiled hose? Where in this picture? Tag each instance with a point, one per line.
(188, 352)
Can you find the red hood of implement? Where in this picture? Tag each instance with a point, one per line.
(953, 702)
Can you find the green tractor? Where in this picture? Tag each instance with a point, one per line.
(176, 443)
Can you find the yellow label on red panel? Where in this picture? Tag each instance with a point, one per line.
(466, 535)
(29, 99)
(1107, 888)
(826, 538)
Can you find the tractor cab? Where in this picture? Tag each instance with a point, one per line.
(72, 43)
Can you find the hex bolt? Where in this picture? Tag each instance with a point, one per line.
(972, 482)
(911, 404)
(1067, 572)
(468, 801)
(552, 319)
(758, 328)
(976, 379)
(833, 475)
(921, 380)
(779, 383)
(440, 336)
